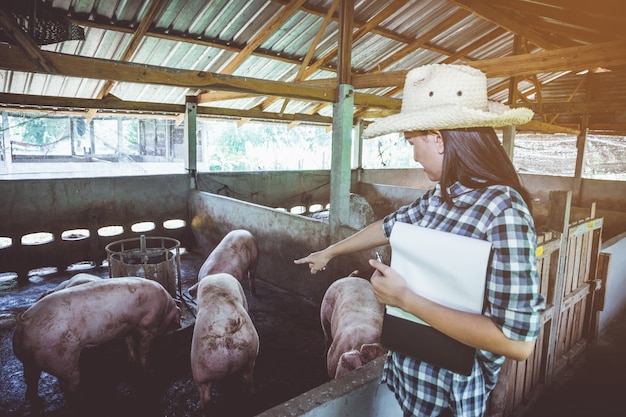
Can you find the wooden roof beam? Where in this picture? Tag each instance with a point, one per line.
(419, 42)
(309, 55)
(272, 26)
(82, 67)
(28, 46)
(488, 12)
(576, 58)
(495, 33)
(135, 40)
(570, 14)
(65, 103)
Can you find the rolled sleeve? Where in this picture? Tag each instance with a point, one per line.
(514, 301)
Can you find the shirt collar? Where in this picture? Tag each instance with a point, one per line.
(458, 191)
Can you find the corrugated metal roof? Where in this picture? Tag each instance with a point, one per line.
(208, 35)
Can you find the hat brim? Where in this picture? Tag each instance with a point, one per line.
(450, 119)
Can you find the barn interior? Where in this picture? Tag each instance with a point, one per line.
(339, 64)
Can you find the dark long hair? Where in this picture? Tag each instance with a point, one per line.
(476, 158)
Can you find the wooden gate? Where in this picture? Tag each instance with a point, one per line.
(567, 262)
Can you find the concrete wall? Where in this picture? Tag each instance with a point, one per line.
(57, 205)
(615, 295)
(352, 395)
(270, 188)
(282, 237)
(387, 189)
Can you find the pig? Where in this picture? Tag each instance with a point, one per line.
(224, 342)
(50, 335)
(237, 254)
(351, 318)
(77, 279)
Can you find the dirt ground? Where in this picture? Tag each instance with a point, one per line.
(290, 361)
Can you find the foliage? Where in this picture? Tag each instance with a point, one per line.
(227, 145)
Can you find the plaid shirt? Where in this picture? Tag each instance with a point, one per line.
(497, 214)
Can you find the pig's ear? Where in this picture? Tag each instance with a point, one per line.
(44, 294)
(371, 351)
(349, 361)
(193, 290)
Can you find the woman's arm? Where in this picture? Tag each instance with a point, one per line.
(369, 237)
(472, 329)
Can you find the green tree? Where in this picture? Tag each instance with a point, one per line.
(45, 130)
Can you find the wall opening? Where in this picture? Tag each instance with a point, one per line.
(37, 238)
(5, 242)
(43, 271)
(298, 210)
(81, 266)
(75, 234)
(106, 231)
(142, 227)
(174, 224)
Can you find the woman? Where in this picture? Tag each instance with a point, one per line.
(447, 119)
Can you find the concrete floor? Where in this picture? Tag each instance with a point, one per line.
(594, 385)
(287, 365)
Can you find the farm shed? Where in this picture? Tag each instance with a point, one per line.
(334, 63)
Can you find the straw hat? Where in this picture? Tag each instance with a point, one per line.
(441, 96)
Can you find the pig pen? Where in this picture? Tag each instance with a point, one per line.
(285, 312)
(290, 360)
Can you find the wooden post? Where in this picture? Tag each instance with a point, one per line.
(340, 175)
(92, 138)
(558, 220)
(5, 141)
(581, 146)
(508, 140)
(508, 132)
(120, 137)
(191, 141)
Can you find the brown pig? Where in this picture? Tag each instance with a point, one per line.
(237, 254)
(50, 335)
(351, 318)
(225, 342)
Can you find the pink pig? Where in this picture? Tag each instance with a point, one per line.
(237, 254)
(225, 341)
(78, 279)
(50, 335)
(351, 318)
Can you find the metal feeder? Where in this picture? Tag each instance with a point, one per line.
(155, 258)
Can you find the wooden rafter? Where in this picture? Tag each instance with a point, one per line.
(272, 26)
(166, 110)
(268, 30)
(26, 43)
(489, 13)
(135, 41)
(419, 42)
(81, 67)
(566, 59)
(583, 81)
(462, 53)
(364, 29)
(569, 14)
(309, 55)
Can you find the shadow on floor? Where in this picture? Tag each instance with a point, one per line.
(594, 385)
